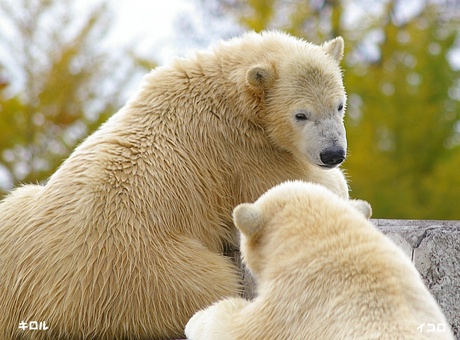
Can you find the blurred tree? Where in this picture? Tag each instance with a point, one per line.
(403, 117)
(406, 128)
(64, 84)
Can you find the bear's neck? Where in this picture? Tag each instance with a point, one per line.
(212, 83)
(192, 116)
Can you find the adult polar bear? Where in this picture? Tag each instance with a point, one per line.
(125, 241)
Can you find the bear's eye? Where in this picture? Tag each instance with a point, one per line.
(340, 107)
(301, 116)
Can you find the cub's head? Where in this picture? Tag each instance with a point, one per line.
(279, 221)
(304, 97)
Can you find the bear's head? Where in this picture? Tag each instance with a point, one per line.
(304, 98)
(288, 212)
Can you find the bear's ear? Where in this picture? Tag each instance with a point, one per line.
(247, 218)
(335, 48)
(260, 76)
(363, 207)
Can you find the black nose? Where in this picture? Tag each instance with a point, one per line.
(332, 156)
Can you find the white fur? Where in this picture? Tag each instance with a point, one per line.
(126, 239)
(324, 272)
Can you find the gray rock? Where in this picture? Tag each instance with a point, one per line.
(435, 251)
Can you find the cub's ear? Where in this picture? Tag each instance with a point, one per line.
(261, 76)
(363, 207)
(335, 48)
(248, 218)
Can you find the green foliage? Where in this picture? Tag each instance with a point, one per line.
(403, 118)
(261, 14)
(399, 140)
(69, 85)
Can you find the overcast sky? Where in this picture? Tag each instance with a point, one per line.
(147, 22)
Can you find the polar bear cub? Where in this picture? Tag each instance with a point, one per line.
(323, 271)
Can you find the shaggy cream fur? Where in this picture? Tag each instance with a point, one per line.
(125, 241)
(324, 272)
